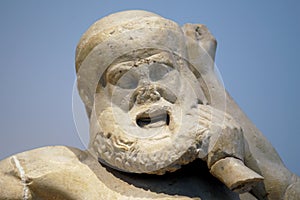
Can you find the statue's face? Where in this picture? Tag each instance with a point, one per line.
(146, 112)
(146, 90)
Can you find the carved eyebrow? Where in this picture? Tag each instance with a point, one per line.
(114, 72)
(120, 66)
(163, 58)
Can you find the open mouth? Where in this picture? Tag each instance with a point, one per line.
(153, 119)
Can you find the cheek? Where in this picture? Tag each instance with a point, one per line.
(172, 82)
(107, 97)
(190, 83)
(101, 101)
(120, 97)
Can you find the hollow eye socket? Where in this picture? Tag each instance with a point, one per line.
(158, 71)
(122, 75)
(128, 80)
(114, 75)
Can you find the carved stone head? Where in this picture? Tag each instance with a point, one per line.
(138, 79)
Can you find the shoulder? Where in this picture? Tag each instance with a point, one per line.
(53, 170)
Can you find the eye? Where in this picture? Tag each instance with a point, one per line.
(158, 71)
(115, 72)
(114, 76)
(128, 80)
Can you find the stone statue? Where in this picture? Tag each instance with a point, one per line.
(162, 126)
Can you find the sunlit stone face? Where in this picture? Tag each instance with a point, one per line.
(146, 110)
(146, 89)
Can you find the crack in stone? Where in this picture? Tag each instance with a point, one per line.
(23, 178)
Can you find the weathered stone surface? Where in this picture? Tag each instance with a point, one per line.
(67, 173)
(155, 105)
(235, 175)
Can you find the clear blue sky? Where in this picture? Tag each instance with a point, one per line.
(258, 57)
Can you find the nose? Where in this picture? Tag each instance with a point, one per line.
(147, 94)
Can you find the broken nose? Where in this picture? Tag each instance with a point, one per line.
(147, 95)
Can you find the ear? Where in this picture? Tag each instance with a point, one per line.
(201, 47)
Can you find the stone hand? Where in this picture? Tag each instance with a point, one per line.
(225, 150)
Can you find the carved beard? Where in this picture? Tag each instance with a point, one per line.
(154, 137)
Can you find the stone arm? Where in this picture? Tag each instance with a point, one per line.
(47, 173)
(279, 182)
(258, 155)
(231, 159)
(64, 173)
(222, 147)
